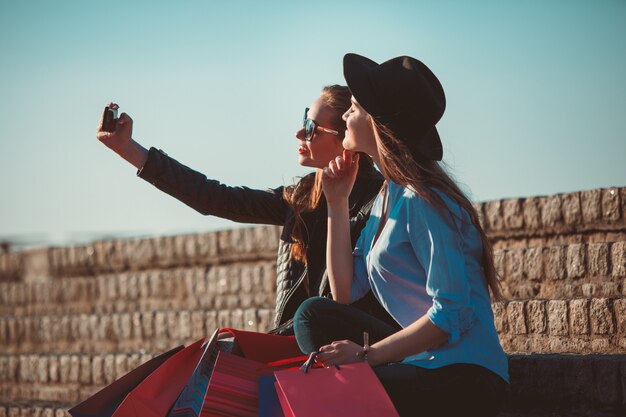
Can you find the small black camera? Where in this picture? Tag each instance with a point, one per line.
(110, 119)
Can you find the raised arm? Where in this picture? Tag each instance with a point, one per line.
(209, 197)
(337, 184)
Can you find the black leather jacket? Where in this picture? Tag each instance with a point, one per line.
(295, 280)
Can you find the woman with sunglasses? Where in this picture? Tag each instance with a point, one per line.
(300, 208)
(423, 253)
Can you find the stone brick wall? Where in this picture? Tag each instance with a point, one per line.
(72, 319)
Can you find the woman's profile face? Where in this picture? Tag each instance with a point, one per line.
(359, 134)
(323, 146)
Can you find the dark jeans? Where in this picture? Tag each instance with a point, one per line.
(453, 390)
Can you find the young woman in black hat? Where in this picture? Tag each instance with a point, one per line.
(300, 208)
(422, 253)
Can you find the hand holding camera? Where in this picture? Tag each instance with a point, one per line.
(116, 134)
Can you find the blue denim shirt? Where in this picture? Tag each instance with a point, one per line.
(423, 264)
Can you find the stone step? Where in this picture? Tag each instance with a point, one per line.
(44, 409)
(568, 385)
(581, 217)
(584, 325)
(240, 285)
(114, 256)
(564, 271)
(123, 332)
(541, 385)
(601, 211)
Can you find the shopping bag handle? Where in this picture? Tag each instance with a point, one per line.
(311, 360)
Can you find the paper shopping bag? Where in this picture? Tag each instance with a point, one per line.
(263, 347)
(269, 403)
(189, 402)
(105, 402)
(352, 390)
(157, 393)
(234, 387)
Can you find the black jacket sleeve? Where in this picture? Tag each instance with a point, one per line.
(210, 197)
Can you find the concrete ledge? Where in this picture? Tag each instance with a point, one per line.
(541, 385)
(592, 385)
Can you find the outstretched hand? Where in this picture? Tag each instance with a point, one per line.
(120, 139)
(339, 177)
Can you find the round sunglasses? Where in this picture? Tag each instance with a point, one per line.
(310, 125)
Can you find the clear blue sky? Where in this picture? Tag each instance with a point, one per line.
(536, 96)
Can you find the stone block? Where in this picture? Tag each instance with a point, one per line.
(493, 213)
(64, 369)
(97, 370)
(197, 325)
(618, 259)
(498, 260)
(160, 325)
(236, 319)
(126, 326)
(551, 211)
(136, 324)
(570, 207)
(184, 325)
(147, 324)
(555, 267)
(121, 365)
(42, 376)
(223, 319)
(601, 317)
(598, 256)
(513, 213)
(206, 246)
(537, 319)
(250, 319)
(513, 265)
(533, 263)
(557, 317)
(516, 317)
(53, 369)
(575, 260)
(619, 307)
(74, 373)
(532, 214)
(591, 205)
(579, 316)
(141, 253)
(109, 368)
(85, 370)
(611, 205)
(211, 321)
(172, 324)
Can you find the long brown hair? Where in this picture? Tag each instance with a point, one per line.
(422, 176)
(307, 195)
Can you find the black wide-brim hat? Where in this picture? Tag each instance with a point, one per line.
(404, 95)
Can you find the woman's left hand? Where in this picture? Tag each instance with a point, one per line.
(339, 177)
(337, 353)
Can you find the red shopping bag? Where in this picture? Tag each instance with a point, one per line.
(263, 347)
(105, 402)
(234, 387)
(189, 402)
(155, 395)
(352, 390)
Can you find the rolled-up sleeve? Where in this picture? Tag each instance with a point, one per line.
(439, 248)
(360, 281)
